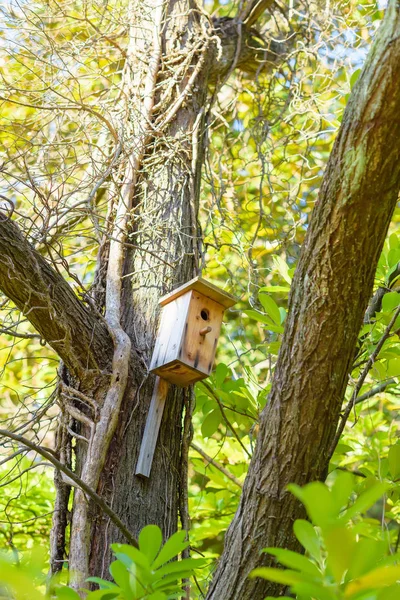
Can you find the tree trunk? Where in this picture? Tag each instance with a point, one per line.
(329, 294)
(163, 240)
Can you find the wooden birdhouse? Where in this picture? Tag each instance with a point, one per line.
(191, 318)
(190, 325)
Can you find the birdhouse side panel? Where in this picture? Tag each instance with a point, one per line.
(201, 334)
(171, 329)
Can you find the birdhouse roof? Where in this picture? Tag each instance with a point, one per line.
(204, 287)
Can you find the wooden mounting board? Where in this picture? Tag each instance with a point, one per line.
(152, 428)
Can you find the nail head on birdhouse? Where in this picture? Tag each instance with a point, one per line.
(191, 318)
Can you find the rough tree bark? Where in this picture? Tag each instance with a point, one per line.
(329, 295)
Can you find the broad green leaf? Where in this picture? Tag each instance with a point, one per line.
(341, 490)
(185, 565)
(380, 577)
(393, 367)
(128, 555)
(284, 576)
(102, 583)
(366, 554)
(172, 547)
(293, 560)
(366, 500)
(354, 78)
(390, 593)
(318, 501)
(393, 241)
(102, 595)
(313, 591)
(308, 538)
(265, 319)
(221, 373)
(150, 540)
(390, 301)
(211, 423)
(270, 307)
(121, 577)
(282, 268)
(339, 542)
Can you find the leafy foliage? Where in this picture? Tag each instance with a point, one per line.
(344, 559)
(149, 572)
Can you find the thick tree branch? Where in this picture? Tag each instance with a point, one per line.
(329, 295)
(80, 339)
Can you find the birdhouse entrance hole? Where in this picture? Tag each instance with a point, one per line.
(205, 314)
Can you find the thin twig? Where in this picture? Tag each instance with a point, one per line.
(216, 464)
(361, 379)
(77, 480)
(228, 423)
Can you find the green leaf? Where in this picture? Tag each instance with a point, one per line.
(310, 590)
(102, 595)
(366, 554)
(121, 577)
(286, 577)
(390, 301)
(342, 489)
(221, 373)
(128, 555)
(308, 538)
(282, 312)
(394, 461)
(380, 577)
(393, 367)
(282, 268)
(339, 542)
(172, 547)
(211, 423)
(265, 319)
(150, 541)
(270, 307)
(318, 501)
(393, 241)
(293, 560)
(186, 565)
(366, 500)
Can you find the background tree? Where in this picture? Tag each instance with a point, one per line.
(128, 192)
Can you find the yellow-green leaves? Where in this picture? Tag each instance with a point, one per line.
(340, 564)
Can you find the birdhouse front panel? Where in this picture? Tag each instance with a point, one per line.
(190, 325)
(202, 331)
